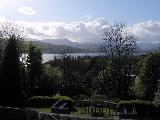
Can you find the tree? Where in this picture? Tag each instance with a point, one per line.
(9, 29)
(49, 85)
(157, 95)
(119, 48)
(137, 89)
(1, 48)
(11, 83)
(6, 31)
(71, 82)
(149, 75)
(11, 76)
(34, 70)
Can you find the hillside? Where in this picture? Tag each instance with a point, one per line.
(51, 48)
(83, 47)
(67, 46)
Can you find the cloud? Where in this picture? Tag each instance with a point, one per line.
(88, 17)
(87, 31)
(146, 32)
(2, 19)
(26, 11)
(81, 31)
(2, 5)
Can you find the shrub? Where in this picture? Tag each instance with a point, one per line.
(62, 98)
(40, 101)
(110, 104)
(143, 108)
(45, 101)
(78, 100)
(124, 104)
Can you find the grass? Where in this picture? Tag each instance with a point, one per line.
(82, 110)
(78, 113)
(41, 109)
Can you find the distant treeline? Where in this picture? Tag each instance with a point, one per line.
(60, 49)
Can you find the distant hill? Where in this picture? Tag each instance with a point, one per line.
(97, 47)
(52, 49)
(53, 45)
(89, 47)
(94, 47)
(60, 42)
(67, 46)
(149, 46)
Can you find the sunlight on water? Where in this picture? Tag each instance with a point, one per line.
(47, 57)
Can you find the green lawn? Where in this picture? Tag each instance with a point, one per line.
(41, 109)
(78, 113)
(82, 110)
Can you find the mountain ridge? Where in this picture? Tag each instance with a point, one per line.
(84, 47)
(59, 49)
(49, 45)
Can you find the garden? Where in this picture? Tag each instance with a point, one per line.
(121, 83)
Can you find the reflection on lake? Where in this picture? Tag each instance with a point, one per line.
(47, 57)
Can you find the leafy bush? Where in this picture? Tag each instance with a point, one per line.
(62, 98)
(124, 104)
(157, 96)
(45, 101)
(40, 101)
(143, 108)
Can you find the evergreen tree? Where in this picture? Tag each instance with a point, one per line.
(34, 69)
(11, 90)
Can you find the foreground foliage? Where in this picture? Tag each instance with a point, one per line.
(45, 101)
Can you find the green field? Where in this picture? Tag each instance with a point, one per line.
(80, 111)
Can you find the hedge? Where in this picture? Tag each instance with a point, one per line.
(143, 108)
(45, 101)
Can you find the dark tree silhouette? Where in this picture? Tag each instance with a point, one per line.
(119, 48)
(157, 95)
(11, 90)
(34, 69)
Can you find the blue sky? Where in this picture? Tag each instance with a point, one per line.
(64, 13)
(130, 11)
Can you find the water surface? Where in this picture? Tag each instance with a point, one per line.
(47, 57)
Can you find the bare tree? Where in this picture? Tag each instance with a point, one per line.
(8, 30)
(119, 49)
(118, 41)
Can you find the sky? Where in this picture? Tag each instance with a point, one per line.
(83, 20)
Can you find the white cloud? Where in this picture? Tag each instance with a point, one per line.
(2, 5)
(26, 11)
(2, 19)
(90, 31)
(88, 17)
(147, 32)
(81, 31)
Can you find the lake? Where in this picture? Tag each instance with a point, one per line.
(47, 57)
